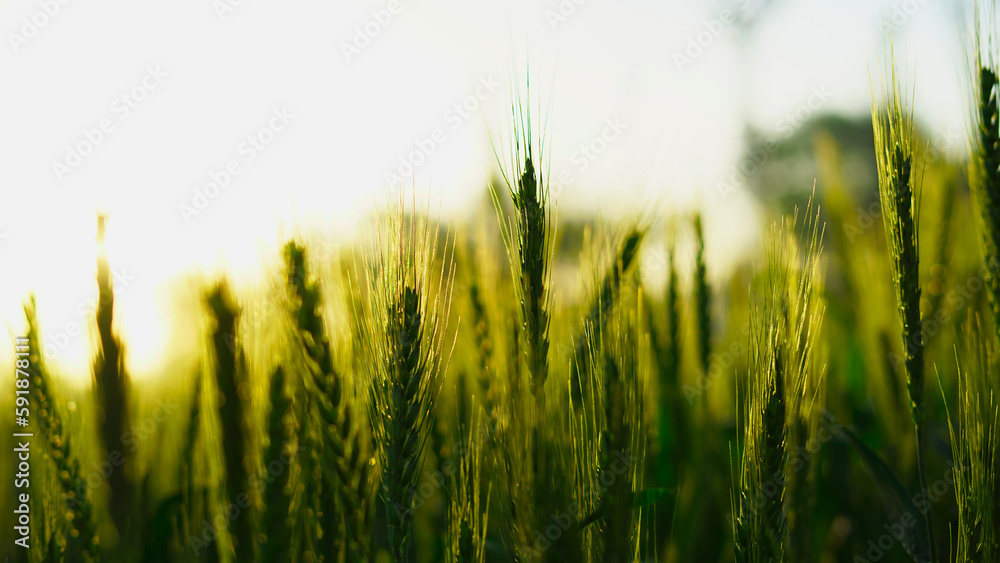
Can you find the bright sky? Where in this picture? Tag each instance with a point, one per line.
(300, 111)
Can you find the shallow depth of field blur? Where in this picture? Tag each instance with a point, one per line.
(562, 280)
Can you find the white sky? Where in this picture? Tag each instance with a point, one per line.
(221, 80)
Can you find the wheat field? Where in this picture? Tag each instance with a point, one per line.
(432, 394)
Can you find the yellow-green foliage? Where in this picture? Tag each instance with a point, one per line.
(432, 394)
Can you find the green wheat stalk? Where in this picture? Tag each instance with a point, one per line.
(985, 151)
(76, 493)
(759, 517)
(187, 462)
(528, 237)
(478, 273)
(233, 386)
(671, 448)
(703, 298)
(806, 383)
(278, 520)
(111, 386)
(408, 308)
(618, 449)
(781, 414)
(344, 475)
(600, 309)
(893, 129)
(976, 445)
(467, 512)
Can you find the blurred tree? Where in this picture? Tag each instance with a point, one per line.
(781, 171)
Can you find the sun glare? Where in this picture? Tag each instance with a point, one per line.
(305, 153)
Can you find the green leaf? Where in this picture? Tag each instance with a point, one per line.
(649, 497)
(640, 499)
(160, 529)
(899, 507)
